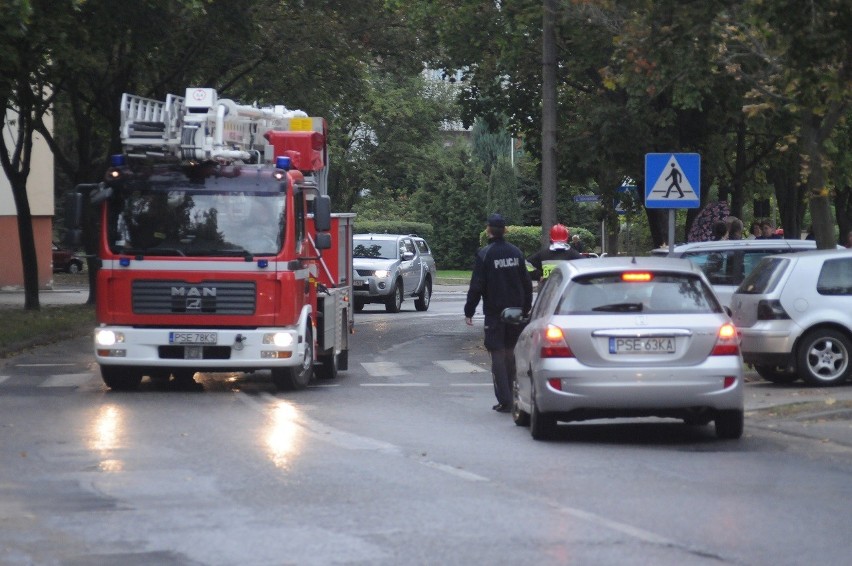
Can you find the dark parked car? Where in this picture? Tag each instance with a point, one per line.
(66, 260)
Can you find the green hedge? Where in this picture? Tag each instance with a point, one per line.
(422, 229)
(528, 238)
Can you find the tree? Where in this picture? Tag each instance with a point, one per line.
(30, 39)
(800, 66)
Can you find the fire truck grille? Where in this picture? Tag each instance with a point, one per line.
(207, 297)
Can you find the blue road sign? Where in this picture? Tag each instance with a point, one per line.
(672, 180)
(626, 195)
(587, 198)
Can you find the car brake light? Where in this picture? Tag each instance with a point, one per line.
(636, 276)
(727, 341)
(771, 310)
(554, 345)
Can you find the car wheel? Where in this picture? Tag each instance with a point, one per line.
(74, 267)
(121, 378)
(776, 374)
(298, 377)
(521, 417)
(328, 367)
(823, 357)
(422, 301)
(394, 300)
(729, 424)
(542, 425)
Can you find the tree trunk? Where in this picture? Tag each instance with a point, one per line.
(548, 120)
(820, 204)
(26, 237)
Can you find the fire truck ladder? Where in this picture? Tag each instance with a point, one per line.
(212, 129)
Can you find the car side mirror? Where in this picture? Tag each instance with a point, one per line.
(407, 256)
(514, 315)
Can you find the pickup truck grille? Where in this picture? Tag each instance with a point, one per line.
(207, 297)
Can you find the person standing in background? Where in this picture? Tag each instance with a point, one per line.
(500, 280)
(735, 228)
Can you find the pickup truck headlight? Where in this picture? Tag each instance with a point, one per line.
(382, 273)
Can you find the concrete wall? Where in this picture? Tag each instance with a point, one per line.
(40, 193)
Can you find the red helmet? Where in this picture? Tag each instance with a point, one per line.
(559, 234)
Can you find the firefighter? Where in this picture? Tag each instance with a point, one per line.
(559, 249)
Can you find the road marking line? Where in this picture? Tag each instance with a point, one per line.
(44, 365)
(66, 380)
(384, 369)
(463, 474)
(395, 384)
(471, 385)
(458, 366)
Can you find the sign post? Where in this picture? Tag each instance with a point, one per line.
(672, 181)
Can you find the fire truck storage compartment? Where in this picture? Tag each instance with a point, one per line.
(328, 325)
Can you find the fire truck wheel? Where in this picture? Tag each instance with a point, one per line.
(422, 301)
(394, 300)
(328, 367)
(298, 377)
(121, 378)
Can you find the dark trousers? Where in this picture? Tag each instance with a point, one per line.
(500, 340)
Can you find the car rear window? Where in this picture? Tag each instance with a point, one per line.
(764, 277)
(835, 277)
(422, 246)
(661, 293)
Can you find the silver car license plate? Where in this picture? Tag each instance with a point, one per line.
(192, 337)
(655, 345)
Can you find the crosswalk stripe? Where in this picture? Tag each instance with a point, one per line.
(66, 380)
(384, 369)
(459, 366)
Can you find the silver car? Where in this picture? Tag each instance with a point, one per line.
(389, 268)
(628, 337)
(794, 313)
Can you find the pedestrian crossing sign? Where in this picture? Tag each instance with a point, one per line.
(672, 180)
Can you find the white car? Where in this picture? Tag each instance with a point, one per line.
(794, 313)
(728, 262)
(627, 337)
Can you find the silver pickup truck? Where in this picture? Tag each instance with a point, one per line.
(389, 268)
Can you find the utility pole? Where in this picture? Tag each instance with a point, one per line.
(548, 119)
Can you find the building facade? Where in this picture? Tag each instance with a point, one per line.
(40, 193)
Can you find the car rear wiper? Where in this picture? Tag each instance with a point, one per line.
(620, 307)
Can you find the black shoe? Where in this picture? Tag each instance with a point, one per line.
(502, 408)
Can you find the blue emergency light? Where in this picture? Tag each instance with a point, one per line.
(283, 162)
(117, 160)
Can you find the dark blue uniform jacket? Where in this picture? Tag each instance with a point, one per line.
(500, 279)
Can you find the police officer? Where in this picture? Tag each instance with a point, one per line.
(501, 280)
(559, 249)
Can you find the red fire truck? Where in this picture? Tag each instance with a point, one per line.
(218, 249)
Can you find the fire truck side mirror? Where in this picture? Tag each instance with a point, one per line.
(322, 213)
(323, 241)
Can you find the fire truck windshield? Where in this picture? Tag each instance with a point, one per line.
(193, 222)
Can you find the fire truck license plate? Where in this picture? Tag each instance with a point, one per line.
(192, 337)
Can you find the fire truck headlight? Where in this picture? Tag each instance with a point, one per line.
(108, 337)
(381, 273)
(280, 339)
